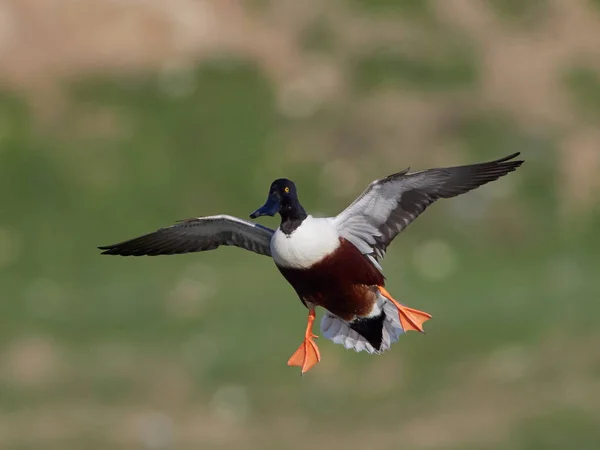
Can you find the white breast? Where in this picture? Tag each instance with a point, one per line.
(309, 243)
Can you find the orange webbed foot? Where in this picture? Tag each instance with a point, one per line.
(307, 355)
(410, 319)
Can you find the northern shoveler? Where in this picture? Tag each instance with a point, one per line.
(332, 262)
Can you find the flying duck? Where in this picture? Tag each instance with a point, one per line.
(331, 262)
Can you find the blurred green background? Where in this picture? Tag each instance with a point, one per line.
(118, 117)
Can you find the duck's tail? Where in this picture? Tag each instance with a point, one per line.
(376, 332)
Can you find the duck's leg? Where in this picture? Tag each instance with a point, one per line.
(410, 319)
(307, 354)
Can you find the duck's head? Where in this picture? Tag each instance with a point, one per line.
(283, 199)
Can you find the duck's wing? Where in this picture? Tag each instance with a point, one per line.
(390, 204)
(197, 235)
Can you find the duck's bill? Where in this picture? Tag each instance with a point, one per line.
(270, 208)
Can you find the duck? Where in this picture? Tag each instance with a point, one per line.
(331, 262)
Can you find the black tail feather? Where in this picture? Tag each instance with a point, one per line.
(371, 328)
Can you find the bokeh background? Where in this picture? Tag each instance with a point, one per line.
(118, 117)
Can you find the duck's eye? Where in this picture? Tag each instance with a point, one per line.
(286, 190)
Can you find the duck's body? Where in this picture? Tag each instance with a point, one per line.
(329, 271)
(332, 262)
(340, 281)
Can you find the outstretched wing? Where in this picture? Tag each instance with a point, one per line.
(389, 205)
(197, 235)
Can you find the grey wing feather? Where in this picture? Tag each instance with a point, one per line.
(390, 204)
(197, 235)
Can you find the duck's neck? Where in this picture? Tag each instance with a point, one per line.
(292, 216)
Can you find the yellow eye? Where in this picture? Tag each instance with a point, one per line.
(286, 190)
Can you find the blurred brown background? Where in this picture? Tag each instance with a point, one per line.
(121, 116)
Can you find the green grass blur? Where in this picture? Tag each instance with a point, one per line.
(190, 351)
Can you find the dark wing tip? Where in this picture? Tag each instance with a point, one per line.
(463, 179)
(505, 162)
(508, 163)
(497, 167)
(106, 248)
(114, 249)
(508, 158)
(140, 246)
